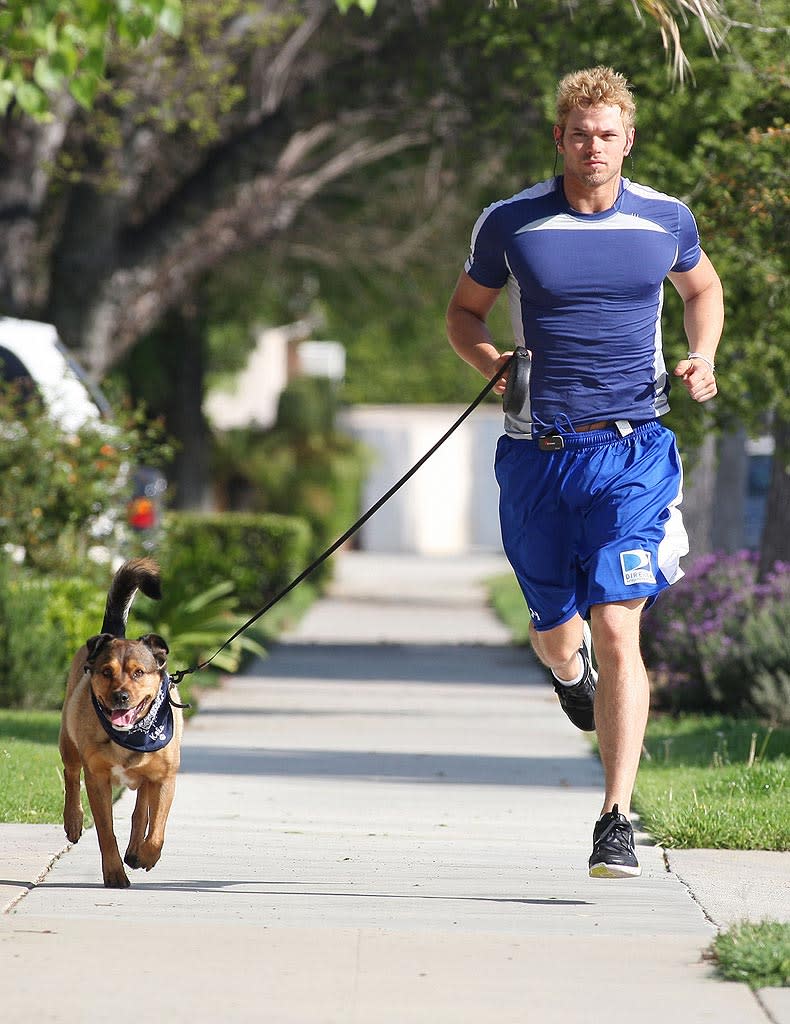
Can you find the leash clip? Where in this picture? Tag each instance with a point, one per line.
(174, 679)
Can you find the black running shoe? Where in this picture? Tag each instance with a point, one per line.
(577, 701)
(613, 848)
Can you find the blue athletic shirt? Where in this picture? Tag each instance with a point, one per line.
(585, 293)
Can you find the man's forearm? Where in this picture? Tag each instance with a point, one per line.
(472, 340)
(703, 320)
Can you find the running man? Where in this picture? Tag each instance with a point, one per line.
(590, 480)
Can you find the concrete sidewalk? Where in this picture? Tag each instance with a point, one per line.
(387, 821)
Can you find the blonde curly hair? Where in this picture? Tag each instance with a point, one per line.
(592, 87)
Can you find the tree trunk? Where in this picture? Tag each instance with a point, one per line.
(775, 544)
(29, 215)
(698, 491)
(184, 359)
(729, 497)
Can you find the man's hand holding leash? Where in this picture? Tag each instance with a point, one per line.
(501, 384)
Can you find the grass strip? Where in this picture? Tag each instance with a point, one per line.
(31, 773)
(713, 782)
(757, 954)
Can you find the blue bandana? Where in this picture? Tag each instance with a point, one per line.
(149, 734)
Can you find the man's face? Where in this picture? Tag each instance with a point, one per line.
(594, 144)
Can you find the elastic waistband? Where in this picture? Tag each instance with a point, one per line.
(558, 440)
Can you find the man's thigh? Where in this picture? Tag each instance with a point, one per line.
(633, 536)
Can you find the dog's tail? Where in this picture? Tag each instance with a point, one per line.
(137, 574)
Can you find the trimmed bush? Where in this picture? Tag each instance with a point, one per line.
(43, 622)
(259, 553)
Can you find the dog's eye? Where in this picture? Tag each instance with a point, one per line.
(137, 673)
(107, 672)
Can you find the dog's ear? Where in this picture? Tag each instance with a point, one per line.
(158, 648)
(95, 645)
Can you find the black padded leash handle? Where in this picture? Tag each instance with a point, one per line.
(176, 677)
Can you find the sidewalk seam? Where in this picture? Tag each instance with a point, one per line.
(687, 887)
(770, 1019)
(13, 903)
(768, 1015)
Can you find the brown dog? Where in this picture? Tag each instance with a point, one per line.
(120, 726)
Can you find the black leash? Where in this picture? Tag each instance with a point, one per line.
(176, 677)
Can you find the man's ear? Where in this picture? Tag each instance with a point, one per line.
(557, 132)
(629, 144)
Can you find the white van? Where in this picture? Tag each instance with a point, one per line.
(30, 352)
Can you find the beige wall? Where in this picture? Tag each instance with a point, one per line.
(450, 505)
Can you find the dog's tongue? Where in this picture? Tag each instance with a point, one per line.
(123, 719)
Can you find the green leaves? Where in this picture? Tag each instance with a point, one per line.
(196, 625)
(61, 44)
(368, 6)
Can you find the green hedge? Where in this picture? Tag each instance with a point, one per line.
(259, 553)
(43, 622)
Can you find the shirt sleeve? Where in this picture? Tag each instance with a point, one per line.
(486, 263)
(689, 251)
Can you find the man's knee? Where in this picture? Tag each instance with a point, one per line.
(557, 646)
(615, 627)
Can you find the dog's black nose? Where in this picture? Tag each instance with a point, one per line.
(120, 698)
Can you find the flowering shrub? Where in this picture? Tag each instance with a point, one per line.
(720, 639)
(61, 493)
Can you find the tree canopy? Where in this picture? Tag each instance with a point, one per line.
(264, 159)
(55, 44)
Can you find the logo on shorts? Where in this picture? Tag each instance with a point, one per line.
(636, 567)
(534, 614)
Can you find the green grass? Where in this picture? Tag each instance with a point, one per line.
(757, 954)
(714, 782)
(31, 784)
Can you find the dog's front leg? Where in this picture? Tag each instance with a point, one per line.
(72, 805)
(99, 790)
(160, 799)
(139, 827)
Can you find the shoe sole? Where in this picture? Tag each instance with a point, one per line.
(615, 871)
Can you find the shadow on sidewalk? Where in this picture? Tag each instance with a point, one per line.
(435, 663)
(251, 887)
(449, 769)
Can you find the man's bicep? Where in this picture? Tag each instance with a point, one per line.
(471, 297)
(692, 282)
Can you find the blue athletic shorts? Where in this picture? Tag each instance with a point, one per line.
(596, 522)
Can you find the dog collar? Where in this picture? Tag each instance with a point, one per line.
(149, 734)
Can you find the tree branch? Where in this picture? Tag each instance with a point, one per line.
(132, 299)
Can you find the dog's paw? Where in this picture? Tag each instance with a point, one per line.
(132, 860)
(73, 818)
(146, 857)
(116, 879)
(73, 831)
